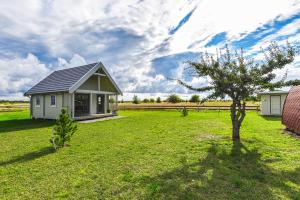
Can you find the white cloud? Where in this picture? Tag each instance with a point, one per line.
(20, 73)
(125, 35)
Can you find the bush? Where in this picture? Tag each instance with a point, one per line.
(158, 100)
(174, 99)
(146, 100)
(63, 130)
(185, 112)
(152, 100)
(195, 99)
(135, 99)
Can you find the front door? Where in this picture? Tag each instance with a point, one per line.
(100, 103)
(82, 104)
(275, 105)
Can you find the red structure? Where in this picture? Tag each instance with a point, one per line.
(291, 110)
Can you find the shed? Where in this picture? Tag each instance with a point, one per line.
(86, 92)
(291, 110)
(272, 102)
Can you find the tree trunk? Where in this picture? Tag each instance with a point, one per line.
(237, 116)
(235, 131)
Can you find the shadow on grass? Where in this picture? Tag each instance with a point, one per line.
(272, 118)
(23, 124)
(29, 156)
(237, 174)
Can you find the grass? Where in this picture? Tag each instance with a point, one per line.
(207, 103)
(150, 155)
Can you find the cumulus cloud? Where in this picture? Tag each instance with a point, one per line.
(142, 43)
(18, 74)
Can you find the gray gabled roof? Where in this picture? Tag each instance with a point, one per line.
(66, 79)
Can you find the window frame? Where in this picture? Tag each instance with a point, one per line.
(52, 105)
(37, 99)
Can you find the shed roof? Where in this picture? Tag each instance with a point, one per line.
(274, 92)
(67, 79)
(291, 110)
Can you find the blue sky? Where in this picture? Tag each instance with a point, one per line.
(142, 43)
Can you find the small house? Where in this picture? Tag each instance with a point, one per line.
(272, 102)
(291, 110)
(86, 92)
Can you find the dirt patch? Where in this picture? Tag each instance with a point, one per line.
(291, 133)
(209, 136)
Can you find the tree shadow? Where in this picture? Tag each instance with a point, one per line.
(237, 174)
(29, 156)
(23, 124)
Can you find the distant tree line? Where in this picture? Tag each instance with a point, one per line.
(173, 98)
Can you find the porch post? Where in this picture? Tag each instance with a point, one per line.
(73, 105)
(91, 102)
(116, 103)
(105, 103)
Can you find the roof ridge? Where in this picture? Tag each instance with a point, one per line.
(76, 67)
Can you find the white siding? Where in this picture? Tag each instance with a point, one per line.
(52, 112)
(37, 111)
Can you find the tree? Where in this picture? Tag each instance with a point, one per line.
(195, 98)
(158, 100)
(173, 98)
(146, 100)
(135, 99)
(152, 100)
(238, 78)
(63, 130)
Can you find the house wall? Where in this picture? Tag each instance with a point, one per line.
(52, 112)
(90, 84)
(265, 106)
(67, 102)
(46, 111)
(106, 85)
(37, 112)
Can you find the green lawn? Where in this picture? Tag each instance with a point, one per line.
(150, 155)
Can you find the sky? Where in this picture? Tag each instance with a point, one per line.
(142, 43)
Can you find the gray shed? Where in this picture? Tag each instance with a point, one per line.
(272, 102)
(86, 91)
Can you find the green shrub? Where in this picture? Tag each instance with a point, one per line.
(173, 98)
(63, 130)
(185, 112)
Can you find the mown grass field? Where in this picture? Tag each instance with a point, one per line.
(150, 155)
(207, 103)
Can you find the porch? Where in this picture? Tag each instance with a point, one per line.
(94, 116)
(90, 104)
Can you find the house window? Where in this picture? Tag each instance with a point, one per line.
(37, 101)
(52, 100)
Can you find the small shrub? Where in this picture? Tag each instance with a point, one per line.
(135, 99)
(173, 98)
(158, 100)
(63, 130)
(185, 112)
